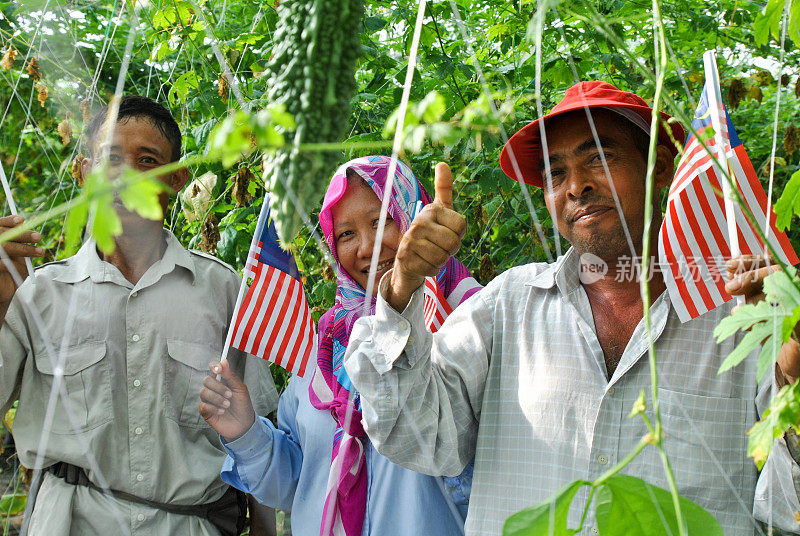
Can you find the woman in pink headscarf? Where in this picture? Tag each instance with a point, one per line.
(318, 462)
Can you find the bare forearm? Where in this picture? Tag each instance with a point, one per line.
(400, 289)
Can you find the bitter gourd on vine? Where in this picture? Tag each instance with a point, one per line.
(312, 72)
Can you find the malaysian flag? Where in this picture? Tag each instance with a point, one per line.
(693, 243)
(435, 304)
(273, 320)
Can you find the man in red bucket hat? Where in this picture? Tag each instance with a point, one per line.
(534, 375)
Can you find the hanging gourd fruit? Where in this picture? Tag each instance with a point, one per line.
(312, 72)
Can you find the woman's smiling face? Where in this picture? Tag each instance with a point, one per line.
(355, 223)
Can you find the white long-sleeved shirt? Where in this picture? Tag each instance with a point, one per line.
(516, 377)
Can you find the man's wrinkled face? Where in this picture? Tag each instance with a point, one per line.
(581, 199)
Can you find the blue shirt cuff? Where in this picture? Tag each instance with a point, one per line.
(252, 444)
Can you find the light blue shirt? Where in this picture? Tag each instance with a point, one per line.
(287, 467)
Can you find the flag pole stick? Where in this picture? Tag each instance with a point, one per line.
(13, 208)
(243, 285)
(717, 115)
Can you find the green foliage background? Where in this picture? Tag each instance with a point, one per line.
(80, 46)
(172, 61)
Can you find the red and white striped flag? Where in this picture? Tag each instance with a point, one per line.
(436, 306)
(693, 243)
(273, 320)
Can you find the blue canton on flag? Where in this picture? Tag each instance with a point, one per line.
(272, 253)
(274, 321)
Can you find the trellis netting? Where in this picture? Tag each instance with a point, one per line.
(435, 81)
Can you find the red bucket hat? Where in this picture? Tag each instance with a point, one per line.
(526, 145)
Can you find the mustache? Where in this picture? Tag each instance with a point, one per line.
(583, 202)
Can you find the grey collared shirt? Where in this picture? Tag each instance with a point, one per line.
(516, 377)
(133, 358)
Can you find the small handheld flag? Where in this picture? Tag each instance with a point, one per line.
(273, 320)
(699, 232)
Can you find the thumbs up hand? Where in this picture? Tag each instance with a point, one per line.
(434, 235)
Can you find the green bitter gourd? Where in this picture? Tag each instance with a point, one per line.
(312, 71)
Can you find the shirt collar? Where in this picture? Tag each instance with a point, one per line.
(563, 272)
(177, 255)
(86, 263)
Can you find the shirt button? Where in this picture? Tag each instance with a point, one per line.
(140, 517)
(602, 460)
(138, 430)
(611, 391)
(137, 383)
(139, 477)
(134, 294)
(135, 337)
(595, 530)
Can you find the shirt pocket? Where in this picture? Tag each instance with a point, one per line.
(185, 369)
(706, 441)
(86, 380)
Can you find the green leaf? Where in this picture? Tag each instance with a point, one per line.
(373, 24)
(789, 203)
(73, 228)
(414, 138)
(775, 316)
(176, 13)
(10, 417)
(794, 22)
(784, 411)
(431, 108)
(768, 21)
(629, 506)
(142, 197)
(226, 247)
(743, 319)
(233, 138)
(161, 50)
(106, 224)
(758, 333)
(280, 117)
(201, 131)
(161, 19)
(12, 504)
(411, 120)
(782, 289)
(546, 518)
(180, 88)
